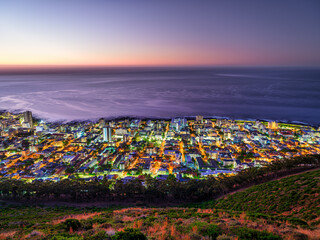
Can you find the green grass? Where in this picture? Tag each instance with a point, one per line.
(155, 223)
(295, 198)
(272, 210)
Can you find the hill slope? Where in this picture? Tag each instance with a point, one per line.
(296, 197)
(283, 209)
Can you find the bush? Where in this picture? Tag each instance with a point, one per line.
(86, 225)
(64, 237)
(297, 221)
(224, 237)
(101, 235)
(201, 226)
(129, 234)
(300, 236)
(212, 231)
(195, 236)
(71, 223)
(247, 233)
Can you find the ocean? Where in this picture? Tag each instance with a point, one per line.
(284, 94)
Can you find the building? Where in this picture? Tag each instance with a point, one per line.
(107, 134)
(272, 125)
(27, 119)
(199, 119)
(178, 123)
(126, 138)
(121, 131)
(102, 122)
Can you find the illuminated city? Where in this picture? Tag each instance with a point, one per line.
(35, 150)
(159, 120)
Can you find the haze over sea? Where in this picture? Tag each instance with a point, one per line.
(291, 94)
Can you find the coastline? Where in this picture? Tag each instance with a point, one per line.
(118, 118)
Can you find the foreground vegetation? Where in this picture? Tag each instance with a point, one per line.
(295, 199)
(140, 223)
(150, 190)
(284, 209)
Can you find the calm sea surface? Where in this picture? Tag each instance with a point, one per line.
(245, 93)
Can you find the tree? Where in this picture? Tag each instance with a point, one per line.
(70, 169)
(25, 144)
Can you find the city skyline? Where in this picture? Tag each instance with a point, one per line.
(168, 119)
(144, 33)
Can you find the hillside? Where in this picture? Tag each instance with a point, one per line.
(284, 209)
(295, 198)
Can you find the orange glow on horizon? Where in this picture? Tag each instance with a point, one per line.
(134, 62)
(119, 57)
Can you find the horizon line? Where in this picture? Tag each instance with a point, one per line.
(74, 66)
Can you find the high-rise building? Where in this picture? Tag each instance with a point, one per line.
(102, 122)
(199, 119)
(107, 134)
(125, 138)
(27, 118)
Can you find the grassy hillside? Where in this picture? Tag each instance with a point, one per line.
(155, 223)
(283, 209)
(295, 198)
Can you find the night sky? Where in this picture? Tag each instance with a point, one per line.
(198, 32)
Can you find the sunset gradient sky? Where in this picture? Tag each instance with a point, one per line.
(166, 32)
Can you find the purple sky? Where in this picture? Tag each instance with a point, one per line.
(198, 32)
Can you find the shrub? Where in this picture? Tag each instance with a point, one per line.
(64, 237)
(86, 225)
(195, 236)
(201, 226)
(73, 224)
(297, 221)
(247, 233)
(300, 236)
(149, 221)
(224, 237)
(129, 234)
(101, 235)
(212, 231)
